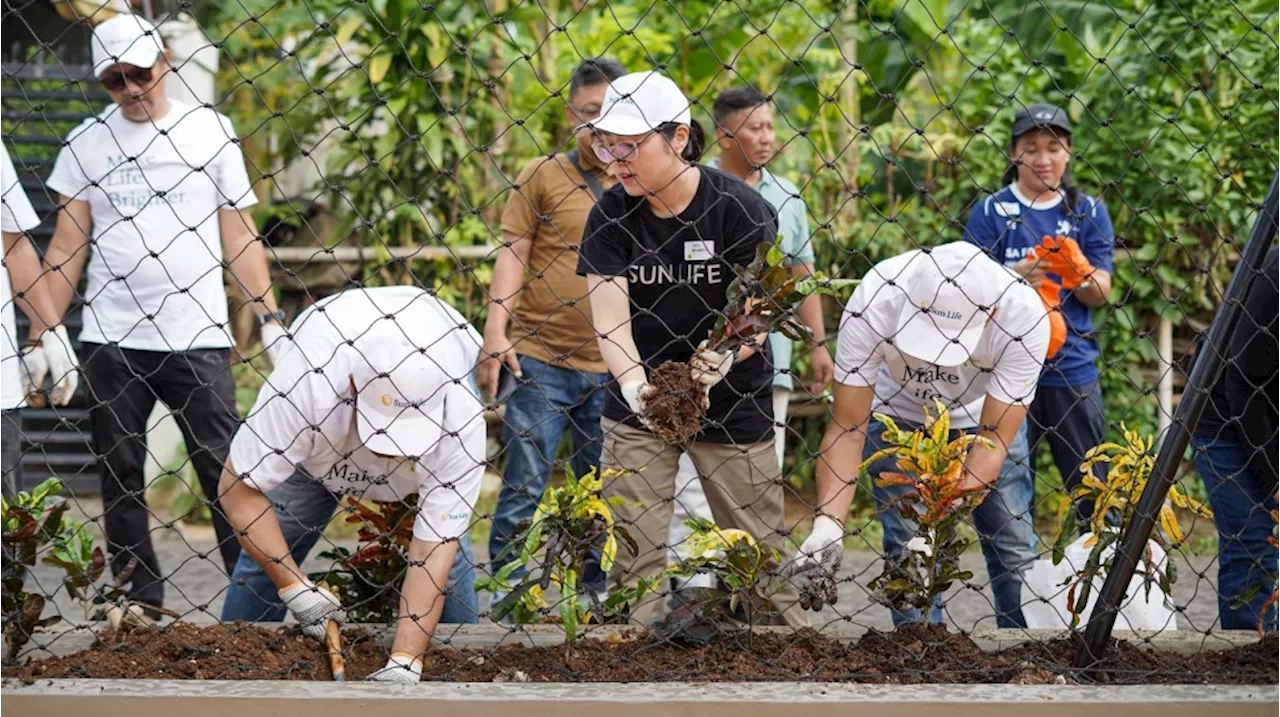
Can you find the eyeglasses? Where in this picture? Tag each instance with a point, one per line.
(118, 80)
(619, 152)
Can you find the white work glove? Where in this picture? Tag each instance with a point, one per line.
(401, 668)
(51, 356)
(313, 607)
(34, 368)
(635, 393)
(274, 339)
(710, 367)
(64, 367)
(814, 569)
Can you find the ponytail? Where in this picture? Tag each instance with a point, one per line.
(697, 139)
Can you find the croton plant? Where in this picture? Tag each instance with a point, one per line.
(1115, 502)
(937, 501)
(572, 528)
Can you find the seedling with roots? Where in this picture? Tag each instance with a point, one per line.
(745, 572)
(32, 523)
(36, 528)
(573, 527)
(1115, 506)
(762, 299)
(367, 581)
(937, 501)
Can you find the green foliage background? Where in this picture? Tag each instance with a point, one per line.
(893, 114)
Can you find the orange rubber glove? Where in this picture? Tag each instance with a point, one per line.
(1051, 297)
(1063, 256)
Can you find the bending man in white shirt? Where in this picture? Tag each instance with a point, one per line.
(373, 399)
(946, 324)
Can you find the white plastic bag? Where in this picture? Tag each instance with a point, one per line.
(1045, 598)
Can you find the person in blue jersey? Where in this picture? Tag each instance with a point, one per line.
(1048, 230)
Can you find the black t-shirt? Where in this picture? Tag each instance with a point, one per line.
(678, 270)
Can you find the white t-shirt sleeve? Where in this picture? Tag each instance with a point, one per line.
(1025, 332)
(68, 177)
(278, 434)
(230, 174)
(451, 473)
(18, 214)
(859, 346)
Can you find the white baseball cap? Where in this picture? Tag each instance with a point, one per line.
(641, 102)
(400, 396)
(125, 40)
(951, 292)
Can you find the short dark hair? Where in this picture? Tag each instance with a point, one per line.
(595, 71)
(736, 98)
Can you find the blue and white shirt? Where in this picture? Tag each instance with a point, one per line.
(1009, 226)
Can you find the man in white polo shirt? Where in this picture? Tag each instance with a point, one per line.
(372, 399)
(155, 193)
(943, 324)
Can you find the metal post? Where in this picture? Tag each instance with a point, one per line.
(1207, 369)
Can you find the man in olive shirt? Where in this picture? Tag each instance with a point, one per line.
(550, 345)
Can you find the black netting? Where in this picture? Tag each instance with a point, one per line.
(441, 317)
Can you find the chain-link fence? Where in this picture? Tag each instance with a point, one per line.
(527, 321)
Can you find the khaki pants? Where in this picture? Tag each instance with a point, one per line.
(743, 488)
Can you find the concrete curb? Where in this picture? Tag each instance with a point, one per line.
(129, 698)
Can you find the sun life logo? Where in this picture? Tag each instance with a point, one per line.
(388, 400)
(948, 315)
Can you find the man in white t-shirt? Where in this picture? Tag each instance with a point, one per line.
(49, 350)
(155, 193)
(373, 399)
(944, 324)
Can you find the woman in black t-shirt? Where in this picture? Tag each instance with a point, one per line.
(659, 252)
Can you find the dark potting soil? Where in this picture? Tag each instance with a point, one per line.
(910, 655)
(674, 412)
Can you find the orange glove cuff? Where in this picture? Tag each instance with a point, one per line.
(1052, 300)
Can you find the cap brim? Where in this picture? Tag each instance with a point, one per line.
(139, 55)
(411, 433)
(921, 338)
(616, 124)
(1022, 128)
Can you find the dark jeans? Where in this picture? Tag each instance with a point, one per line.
(1073, 421)
(548, 400)
(124, 385)
(304, 507)
(1242, 502)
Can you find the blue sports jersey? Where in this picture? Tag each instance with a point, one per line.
(1008, 227)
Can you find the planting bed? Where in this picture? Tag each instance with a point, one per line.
(913, 655)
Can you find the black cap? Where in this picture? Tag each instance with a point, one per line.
(1040, 117)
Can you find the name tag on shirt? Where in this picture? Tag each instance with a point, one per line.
(699, 250)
